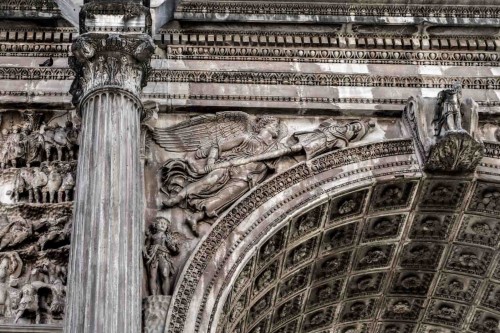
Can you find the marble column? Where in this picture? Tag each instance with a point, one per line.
(104, 286)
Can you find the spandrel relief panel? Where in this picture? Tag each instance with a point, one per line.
(38, 154)
(198, 167)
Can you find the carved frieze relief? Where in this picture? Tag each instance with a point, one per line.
(234, 77)
(48, 6)
(38, 155)
(333, 55)
(338, 9)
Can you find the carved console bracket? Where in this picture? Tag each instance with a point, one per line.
(445, 131)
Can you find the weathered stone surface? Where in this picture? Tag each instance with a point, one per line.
(106, 262)
(392, 230)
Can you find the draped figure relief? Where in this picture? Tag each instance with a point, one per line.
(229, 153)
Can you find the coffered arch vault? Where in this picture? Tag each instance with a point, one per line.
(359, 240)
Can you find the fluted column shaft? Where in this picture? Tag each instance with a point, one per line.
(104, 286)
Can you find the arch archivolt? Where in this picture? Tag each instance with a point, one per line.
(357, 240)
(268, 207)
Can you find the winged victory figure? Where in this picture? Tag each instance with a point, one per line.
(228, 153)
(218, 167)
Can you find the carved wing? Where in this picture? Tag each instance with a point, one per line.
(202, 130)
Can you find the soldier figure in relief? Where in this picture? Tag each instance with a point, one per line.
(21, 185)
(58, 299)
(160, 247)
(67, 186)
(39, 180)
(16, 146)
(66, 138)
(448, 114)
(4, 149)
(54, 182)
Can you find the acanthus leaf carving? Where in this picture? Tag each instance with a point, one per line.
(110, 60)
(445, 131)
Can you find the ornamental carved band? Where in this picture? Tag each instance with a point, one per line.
(110, 61)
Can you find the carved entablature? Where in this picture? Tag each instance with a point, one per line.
(38, 154)
(445, 130)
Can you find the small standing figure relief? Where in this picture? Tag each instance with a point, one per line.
(39, 180)
(29, 303)
(66, 138)
(54, 182)
(16, 149)
(21, 185)
(67, 186)
(448, 114)
(56, 308)
(4, 149)
(10, 269)
(160, 247)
